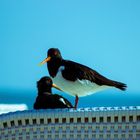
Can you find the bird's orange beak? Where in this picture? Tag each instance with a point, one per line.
(55, 86)
(44, 61)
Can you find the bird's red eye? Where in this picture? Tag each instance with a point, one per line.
(55, 52)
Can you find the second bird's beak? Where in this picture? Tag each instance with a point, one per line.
(55, 86)
(46, 60)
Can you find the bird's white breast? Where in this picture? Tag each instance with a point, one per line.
(78, 87)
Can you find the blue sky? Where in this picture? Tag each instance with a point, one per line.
(104, 35)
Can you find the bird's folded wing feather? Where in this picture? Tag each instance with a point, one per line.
(74, 71)
(63, 100)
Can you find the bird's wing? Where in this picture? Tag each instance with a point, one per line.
(63, 101)
(67, 102)
(74, 71)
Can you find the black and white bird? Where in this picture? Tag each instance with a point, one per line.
(45, 98)
(76, 79)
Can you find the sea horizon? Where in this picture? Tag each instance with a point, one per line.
(100, 99)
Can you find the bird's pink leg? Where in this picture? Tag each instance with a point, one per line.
(76, 102)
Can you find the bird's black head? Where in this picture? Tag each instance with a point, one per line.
(54, 60)
(54, 53)
(45, 84)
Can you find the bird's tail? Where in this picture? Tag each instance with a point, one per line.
(119, 85)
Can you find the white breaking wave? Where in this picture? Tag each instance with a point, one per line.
(5, 108)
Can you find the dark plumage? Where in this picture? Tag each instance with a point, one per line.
(74, 71)
(76, 79)
(47, 100)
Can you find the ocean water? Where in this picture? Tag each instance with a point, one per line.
(106, 98)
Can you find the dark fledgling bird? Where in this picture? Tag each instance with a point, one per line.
(76, 79)
(45, 98)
